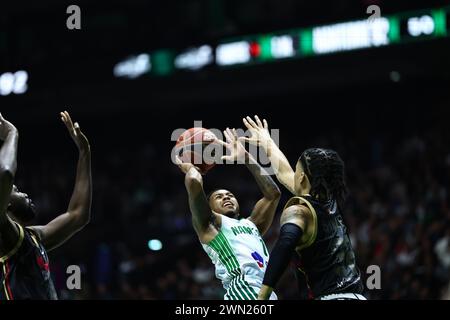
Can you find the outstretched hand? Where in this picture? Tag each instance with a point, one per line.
(75, 132)
(259, 130)
(233, 144)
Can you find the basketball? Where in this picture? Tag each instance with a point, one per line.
(191, 148)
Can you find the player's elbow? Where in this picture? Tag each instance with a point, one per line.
(6, 175)
(81, 219)
(85, 221)
(288, 181)
(275, 194)
(85, 218)
(6, 171)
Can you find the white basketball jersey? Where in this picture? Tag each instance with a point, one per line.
(240, 257)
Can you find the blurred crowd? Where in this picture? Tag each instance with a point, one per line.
(397, 213)
(398, 210)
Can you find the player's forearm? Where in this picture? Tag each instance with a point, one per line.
(80, 203)
(198, 204)
(265, 292)
(8, 166)
(280, 164)
(8, 153)
(265, 182)
(193, 181)
(290, 235)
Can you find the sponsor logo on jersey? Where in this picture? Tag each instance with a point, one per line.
(259, 259)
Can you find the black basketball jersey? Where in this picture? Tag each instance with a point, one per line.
(25, 272)
(326, 263)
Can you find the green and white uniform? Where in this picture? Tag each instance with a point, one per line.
(240, 257)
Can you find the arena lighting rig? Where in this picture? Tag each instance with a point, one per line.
(13, 82)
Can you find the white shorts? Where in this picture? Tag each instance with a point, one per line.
(342, 296)
(242, 288)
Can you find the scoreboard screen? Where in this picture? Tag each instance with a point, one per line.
(426, 24)
(297, 43)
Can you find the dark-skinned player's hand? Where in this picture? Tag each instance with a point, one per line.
(185, 166)
(75, 132)
(233, 144)
(259, 130)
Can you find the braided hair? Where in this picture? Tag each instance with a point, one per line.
(326, 173)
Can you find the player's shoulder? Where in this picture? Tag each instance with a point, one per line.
(298, 214)
(35, 232)
(298, 207)
(298, 200)
(26, 238)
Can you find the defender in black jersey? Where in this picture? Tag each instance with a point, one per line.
(24, 265)
(311, 223)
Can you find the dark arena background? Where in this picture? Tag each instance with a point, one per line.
(376, 91)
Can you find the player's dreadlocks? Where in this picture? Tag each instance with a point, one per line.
(326, 173)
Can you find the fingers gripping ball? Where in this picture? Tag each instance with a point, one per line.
(192, 146)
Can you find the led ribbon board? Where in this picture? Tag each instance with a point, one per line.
(298, 43)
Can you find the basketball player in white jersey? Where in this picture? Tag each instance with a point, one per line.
(233, 243)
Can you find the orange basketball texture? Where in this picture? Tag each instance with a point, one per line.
(190, 146)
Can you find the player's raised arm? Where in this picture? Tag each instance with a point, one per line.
(264, 210)
(198, 204)
(294, 220)
(8, 165)
(78, 213)
(261, 136)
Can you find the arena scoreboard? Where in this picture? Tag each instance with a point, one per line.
(365, 33)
